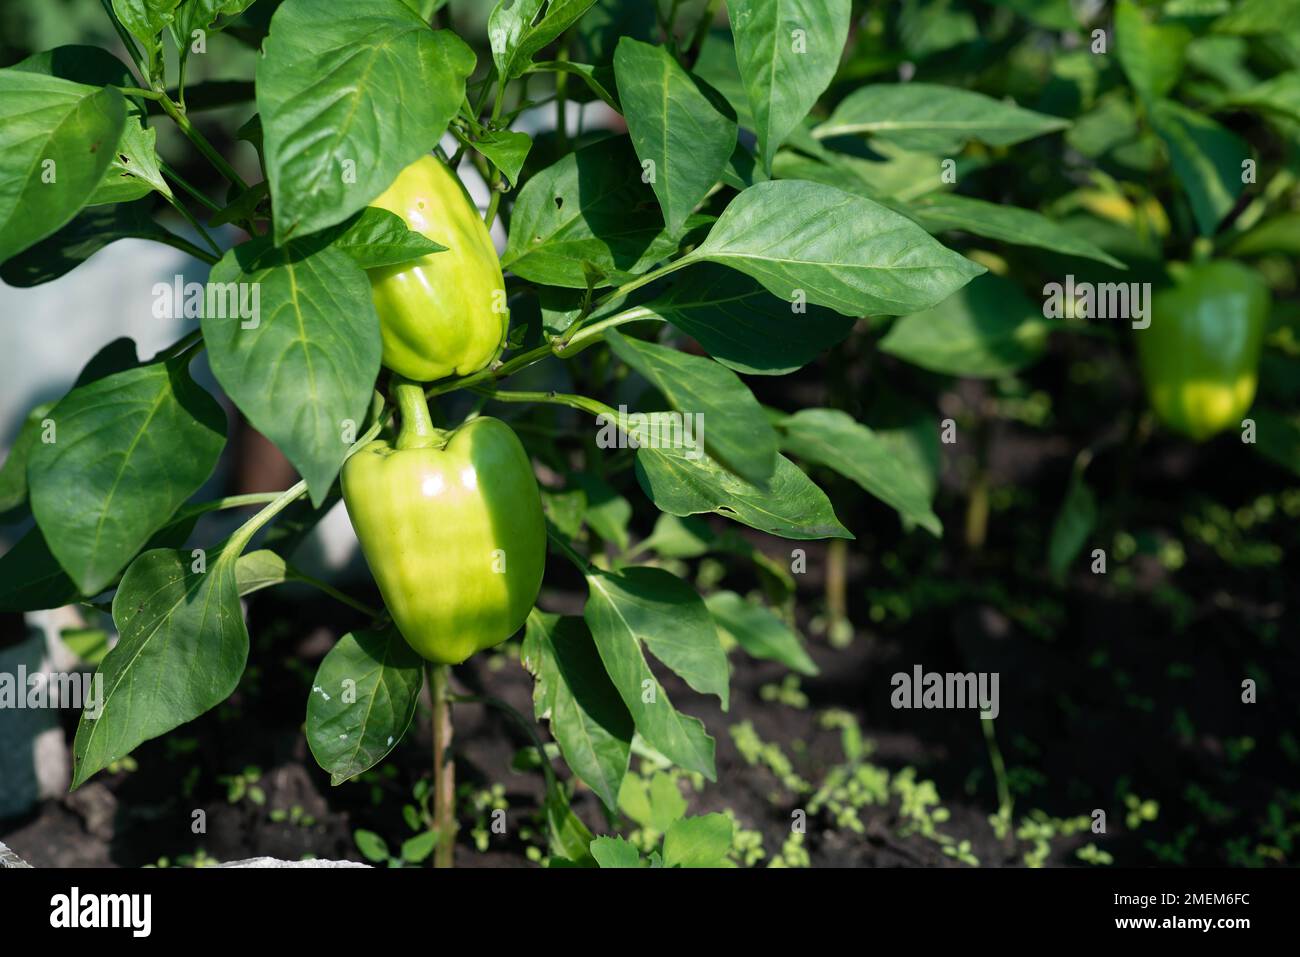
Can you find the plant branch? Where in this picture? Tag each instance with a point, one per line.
(185, 246)
(201, 142)
(580, 402)
(180, 181)
(444, 768)
(128, 41)
(702, 30)
(575, 340)
(190, 218)
(643, 280)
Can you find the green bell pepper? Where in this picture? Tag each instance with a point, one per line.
(1200, 355)
(446, 312)
(451, 526)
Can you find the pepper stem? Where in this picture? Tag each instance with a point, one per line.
(417, 430)
(444, 768)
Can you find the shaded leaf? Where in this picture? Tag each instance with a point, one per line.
(791, 506)
(588, 718)
(181, 651)
(303, 369)
(759, 631)
(787, 52)
(933, 118)
(735, 429)
(362, 701)
(682, 137)
(841, 251)
(832, 438)
(347, 102)
(129, 450)
(987, 330)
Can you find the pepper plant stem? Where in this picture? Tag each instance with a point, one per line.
(417, 428)
(201, 142)
(444, 768)
(580, 402)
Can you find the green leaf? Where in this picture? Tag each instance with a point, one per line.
(717, 66)
(118, 356)
(31, 578)
(418, 848)
(566, 509)
(1074, 523)
(744, 326)
(675, 537)
(892, 175)
(89, 232)
(698, 842)
(194, 15)
(652, 607)
(1277, 437)
(567, 837)
(787, 52)
(128, 451)
(669, 617)
(759, 631)
(1207, 159)
(588, 719)
(303, 369)
(608, 513)
(517, 33)
(249, 205)
(615, 852)
(507, 150)
(987, 330)
(180, 631)
(682, 136)
(1281, 234)
(589, 211)
(347, 102)
(936, 119)
(607, 21)
(1277, 96)
(376, 237)
(13, 474)
(261, 569)
(134, 169)
(742, 170)
(362, 701)
(1010, 224)
(56, 144)
(734, 426)
(666, 803)
(600, 80)
(88, 644)
(1256, 17)
(145, 19)
(371, 846)
(791, 506)
(1151, 54)
(831, 438)
(841, 251)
